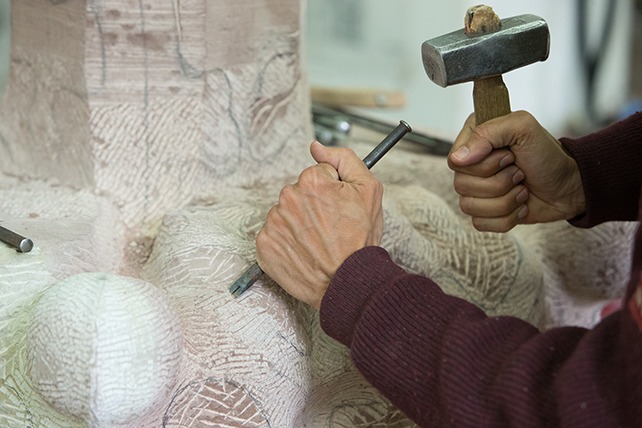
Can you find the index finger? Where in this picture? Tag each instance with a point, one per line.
(328, 169)
(490, 165)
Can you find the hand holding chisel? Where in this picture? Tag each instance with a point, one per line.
(252, 274)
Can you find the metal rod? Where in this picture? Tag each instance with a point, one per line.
(435, 146)
(245, 281)
(18, 242)
(254, 272)
(387, 143)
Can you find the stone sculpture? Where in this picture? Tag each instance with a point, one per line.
(141, 145)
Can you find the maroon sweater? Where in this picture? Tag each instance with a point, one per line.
(445, 363)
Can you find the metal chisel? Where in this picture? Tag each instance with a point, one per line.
(15, 241)
(254, 272)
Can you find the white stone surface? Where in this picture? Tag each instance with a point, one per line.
(103, 348)
(147, 140)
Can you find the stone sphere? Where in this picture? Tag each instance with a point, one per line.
(103, 348)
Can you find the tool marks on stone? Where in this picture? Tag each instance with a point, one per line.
(214, 402)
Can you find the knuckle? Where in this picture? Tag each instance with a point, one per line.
(524, 116)
(263, 243)
(503, 226)
(526, 120)
(500, 187)
(307, 175)
(507, 227)
(374, 187)
(261, 239)
(466, 205)
(504, 181)
(270, 218)
(286, 194)
(479, 224)
(313, 178)
(459, 184)
(483, 131)
(498, 225)
(506, 206)
(380, 189)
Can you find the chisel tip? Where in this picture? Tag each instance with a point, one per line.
(245, 281)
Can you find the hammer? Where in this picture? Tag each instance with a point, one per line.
(486, 48)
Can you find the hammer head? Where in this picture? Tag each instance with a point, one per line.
(456, 57)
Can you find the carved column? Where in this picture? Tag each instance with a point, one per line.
(155, 103)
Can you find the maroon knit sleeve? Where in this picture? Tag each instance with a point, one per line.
(445, 363)
(610, 163)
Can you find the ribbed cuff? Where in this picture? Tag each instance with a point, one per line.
(608, 161)
(355, 282)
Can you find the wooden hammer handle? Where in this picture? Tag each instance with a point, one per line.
(490, 95)
(357, 97)
(490, 98)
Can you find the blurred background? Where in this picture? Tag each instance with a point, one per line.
(5, 42)
(592, 75)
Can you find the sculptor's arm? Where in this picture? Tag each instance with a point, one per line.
(611, 169)
(439, 358)
(442, 360)
(512, 171)
(332, 211)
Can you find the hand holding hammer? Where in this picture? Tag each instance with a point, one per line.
(485, 49)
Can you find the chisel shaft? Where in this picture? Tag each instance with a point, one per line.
(254, 272)
(18, 242)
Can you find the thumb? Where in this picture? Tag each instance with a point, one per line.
(347, 164)
(468, 148)
(475, 142)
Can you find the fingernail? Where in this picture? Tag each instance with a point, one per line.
(523, 212)
(521, 196)
(505, 161)
(461, 153)
(518, 177)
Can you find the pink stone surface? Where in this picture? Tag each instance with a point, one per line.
(148, 140)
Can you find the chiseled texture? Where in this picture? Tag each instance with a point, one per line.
(257, 360)
(445, 362)
(555, 274)
(148, 139)
(262, 359)
(74, 231)
(154, 103)
(103, 348)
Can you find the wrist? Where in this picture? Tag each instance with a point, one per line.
(577, 204)
(356, 281)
